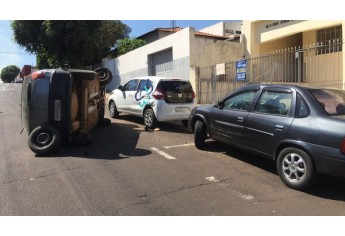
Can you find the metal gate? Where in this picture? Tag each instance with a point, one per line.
(318, 64)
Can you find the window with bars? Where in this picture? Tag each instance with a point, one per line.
(329, 40)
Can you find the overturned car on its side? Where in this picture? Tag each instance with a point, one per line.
(61, 106)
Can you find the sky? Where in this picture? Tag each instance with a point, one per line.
(12, 54)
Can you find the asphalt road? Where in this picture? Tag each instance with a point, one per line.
(132, 172)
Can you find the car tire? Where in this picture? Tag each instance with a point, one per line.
(105, 75)
(44, 139)
(296, 169)
(101, 111)
(113, 110)
(199, 135)
(150, 120)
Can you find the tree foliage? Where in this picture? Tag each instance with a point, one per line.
(9, 73)
(77, 43)
(127, 45)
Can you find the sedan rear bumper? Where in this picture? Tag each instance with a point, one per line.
(327, 160)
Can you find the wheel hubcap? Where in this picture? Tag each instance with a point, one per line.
(148, 119)
(43, 138)
(294, 167)
(112, 108)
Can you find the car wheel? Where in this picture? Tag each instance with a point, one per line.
(44, 139)
(104, 75)
(296, 169)
(185, 123)
(199, 135)
(150, 119)
(113, 110)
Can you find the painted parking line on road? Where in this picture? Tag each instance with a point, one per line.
(164, 154)
(181, 145)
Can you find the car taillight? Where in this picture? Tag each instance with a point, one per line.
(38, 75)
(158, 94)
(342, 146)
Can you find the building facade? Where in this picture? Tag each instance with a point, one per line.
(174, 53)
(307, 51)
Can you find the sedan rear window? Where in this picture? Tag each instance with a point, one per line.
(332, 101)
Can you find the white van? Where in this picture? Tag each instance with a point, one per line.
(155, 99)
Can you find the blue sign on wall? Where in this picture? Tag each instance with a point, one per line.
(241, 67)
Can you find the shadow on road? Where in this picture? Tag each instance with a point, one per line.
(118, 141)
(168, 126)
(329, 187)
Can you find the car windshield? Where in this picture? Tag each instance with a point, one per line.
(332, 101)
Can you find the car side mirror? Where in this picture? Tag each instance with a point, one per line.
(220, 105)
(120, 87)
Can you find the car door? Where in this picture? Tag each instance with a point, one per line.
(125, 96)
(142, 96)
(270, 120)
(229, 116)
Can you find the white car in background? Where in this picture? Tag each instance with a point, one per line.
(155, 99)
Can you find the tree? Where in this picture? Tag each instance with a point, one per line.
(127, 45)
(77, 43)
(9, 73)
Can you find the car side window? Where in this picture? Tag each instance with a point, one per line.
(332, 101)
(131, 85)
(302, 109)
(145, 85)
(274, 102)
(240, 101)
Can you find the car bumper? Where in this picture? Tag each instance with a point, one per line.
(328, 160)
(169, 112)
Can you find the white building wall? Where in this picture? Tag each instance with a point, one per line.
(135, 63)
(189, 51)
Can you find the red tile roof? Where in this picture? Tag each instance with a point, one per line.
(170, 29)
(202, 34)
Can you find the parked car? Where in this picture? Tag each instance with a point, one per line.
(302, 128)
(61, 106)
(155, 99)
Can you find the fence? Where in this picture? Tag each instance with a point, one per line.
(318, 64)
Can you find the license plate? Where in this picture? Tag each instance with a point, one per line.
(57, 110)
(181, 109)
